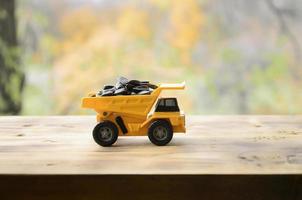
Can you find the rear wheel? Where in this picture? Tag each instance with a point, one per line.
(105, 133)
(160, 132)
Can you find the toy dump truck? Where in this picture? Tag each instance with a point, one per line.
(137, 115)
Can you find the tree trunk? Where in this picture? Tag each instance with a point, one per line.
(11, 76)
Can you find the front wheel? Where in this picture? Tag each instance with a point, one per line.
(160, 132)
(105, 133)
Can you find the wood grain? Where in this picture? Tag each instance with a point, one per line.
(213, 145)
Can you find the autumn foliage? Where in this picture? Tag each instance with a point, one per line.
(233, 61)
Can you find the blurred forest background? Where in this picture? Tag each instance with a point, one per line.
(236, 56)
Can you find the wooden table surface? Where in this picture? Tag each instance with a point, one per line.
(220, 157)
(212, 145)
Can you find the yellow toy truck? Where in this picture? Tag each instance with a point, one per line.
(137, 115)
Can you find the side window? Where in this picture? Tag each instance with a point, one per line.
(170, 102)
(167, 105)
(161, 102)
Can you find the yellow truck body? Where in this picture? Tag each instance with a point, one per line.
(136, 111)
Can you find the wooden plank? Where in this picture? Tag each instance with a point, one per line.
(145, 187)
(212, 145)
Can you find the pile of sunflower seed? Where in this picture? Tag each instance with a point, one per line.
(124, 86)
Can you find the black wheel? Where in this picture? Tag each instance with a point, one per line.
(105, 133)
(160, 132)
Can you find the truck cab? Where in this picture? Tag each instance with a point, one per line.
(168, 109)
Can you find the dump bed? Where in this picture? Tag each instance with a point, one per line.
(128, 104)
